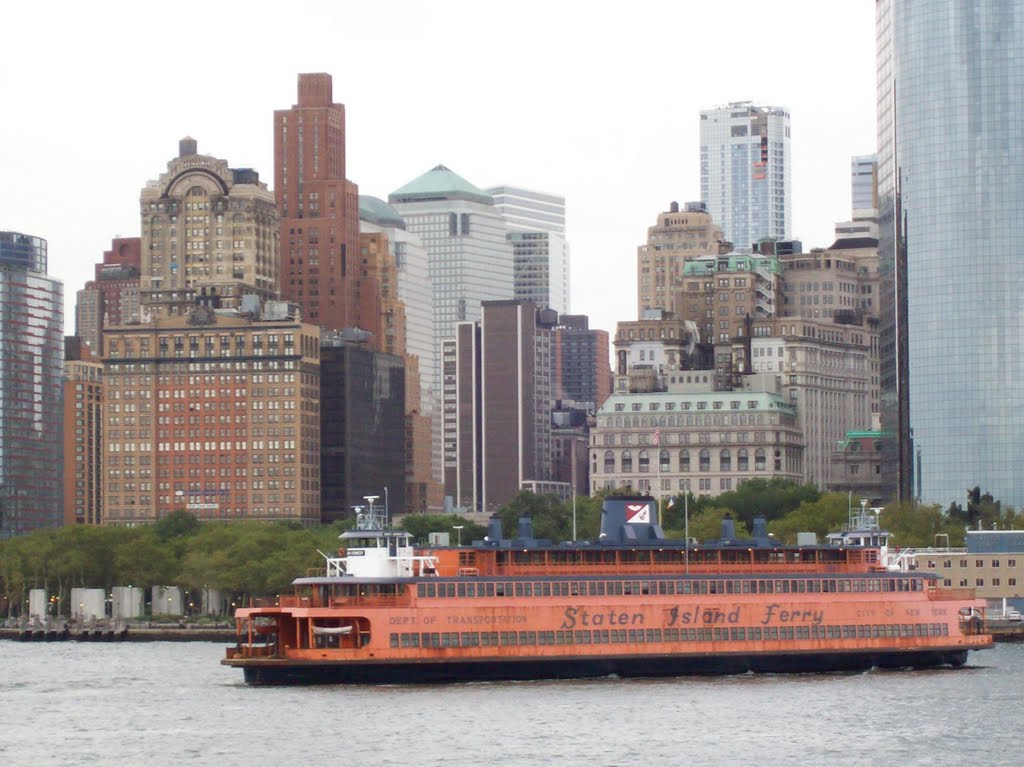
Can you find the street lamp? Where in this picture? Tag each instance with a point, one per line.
(686, 523)
(459, 529)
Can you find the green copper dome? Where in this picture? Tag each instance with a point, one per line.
(376, 211)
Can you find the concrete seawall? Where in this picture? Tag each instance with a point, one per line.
(124, 632)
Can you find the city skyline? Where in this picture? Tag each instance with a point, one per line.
(587, 135)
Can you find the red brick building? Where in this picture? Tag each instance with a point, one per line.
(319, 207)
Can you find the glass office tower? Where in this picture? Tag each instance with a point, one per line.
(31, 365)
(951, 187)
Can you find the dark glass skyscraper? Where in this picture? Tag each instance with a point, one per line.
(951, 189)
(31, 358)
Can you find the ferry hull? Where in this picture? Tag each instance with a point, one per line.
(290, 672)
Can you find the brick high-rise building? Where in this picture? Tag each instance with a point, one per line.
(678, 235)
(215, 413)
(209, 232)
(83, 433)
(112, 297)
(319, 207)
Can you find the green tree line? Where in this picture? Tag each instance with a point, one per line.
(247, 559)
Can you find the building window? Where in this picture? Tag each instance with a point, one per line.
(645, 462)
(759, 459)
(725, 461)
(684, 461)
(663, 460)
(627, 461)
(742, 462)
(705, 460)
(609, 462)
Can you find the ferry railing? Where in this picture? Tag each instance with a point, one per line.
(669, 568)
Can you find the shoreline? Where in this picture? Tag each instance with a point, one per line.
(130, 632)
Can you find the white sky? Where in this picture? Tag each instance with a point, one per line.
(597, 101)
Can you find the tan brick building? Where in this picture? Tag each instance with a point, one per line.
(678, 236)
(208, 232)
(213, 413)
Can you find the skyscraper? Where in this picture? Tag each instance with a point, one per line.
(467, 247)
(677, 237)
(112, 298)
(31, 354)
(951, 188)
(497, 405)
(208, 232)
(863, 182)
(745, 171)
(536, 222)
(319, 207)
(383, 229)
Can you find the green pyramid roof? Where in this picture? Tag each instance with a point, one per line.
(439, 184)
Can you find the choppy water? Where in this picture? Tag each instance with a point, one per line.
(172, 703)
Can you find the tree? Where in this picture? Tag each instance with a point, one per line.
(421, 525)
(821, 517)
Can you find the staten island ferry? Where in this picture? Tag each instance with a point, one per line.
(631, 603)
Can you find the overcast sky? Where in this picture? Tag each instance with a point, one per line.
(596, 101)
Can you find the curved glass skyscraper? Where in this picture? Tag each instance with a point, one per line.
(31, 363)
(951, 178)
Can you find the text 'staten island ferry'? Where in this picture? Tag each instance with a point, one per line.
(631, 603)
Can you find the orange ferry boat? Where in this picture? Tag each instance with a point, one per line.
(631, 603)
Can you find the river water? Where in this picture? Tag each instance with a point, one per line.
(172, 703)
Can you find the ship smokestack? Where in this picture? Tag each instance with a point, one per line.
(760, 529)
(494, 529)
(526, 528)
(728, 528)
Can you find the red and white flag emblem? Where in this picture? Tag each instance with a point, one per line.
(638, 513)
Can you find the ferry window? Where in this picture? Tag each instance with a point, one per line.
(844, 586)
(470, 639)
(462, 589)
(671, 635)
(781, 587)
(431, 590)
(683, 587)
(797, 587)
(421, 590)
(859, 586)
(450, 589)
(597, 589)
(645, 587)
(615, 588)
(394, 640)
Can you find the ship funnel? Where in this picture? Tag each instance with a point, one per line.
(627, 519)
(494, 529)
(525, 528)
(728, 528)
(760, 531)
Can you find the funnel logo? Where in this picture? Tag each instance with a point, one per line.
(638, 513)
